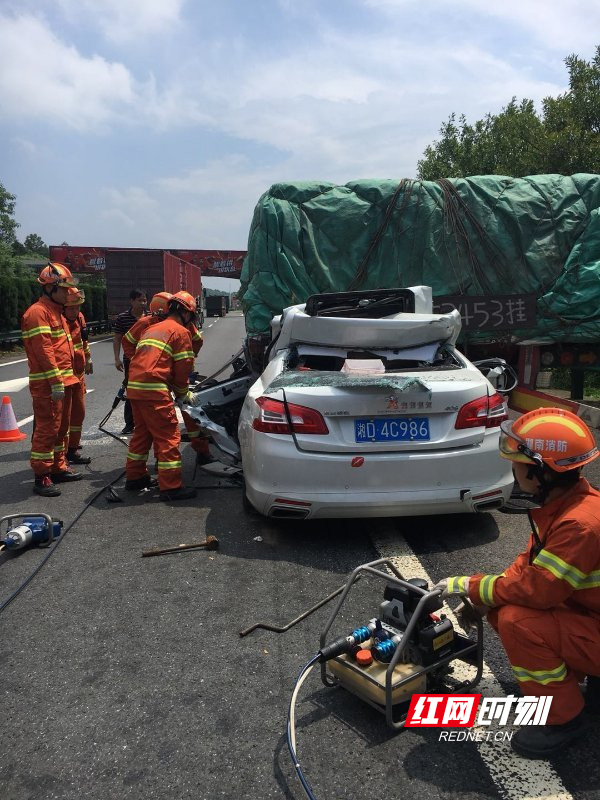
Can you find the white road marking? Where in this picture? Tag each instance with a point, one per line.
(28, 419)
(10, 363)
(516, 778)
(14, 385)
(24, 360)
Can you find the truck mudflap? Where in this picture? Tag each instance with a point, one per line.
(217, 408)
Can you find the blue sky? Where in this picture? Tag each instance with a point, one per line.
(158, 123)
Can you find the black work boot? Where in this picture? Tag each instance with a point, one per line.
(544, 741)
(137, 484)
(66, 476)
(592, 695)
(43, 486)
(73, 457)
(181, 493)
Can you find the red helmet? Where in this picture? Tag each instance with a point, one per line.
(559, 438)
(160, 303)
(186, 300)
(75, 297)
(56, 275)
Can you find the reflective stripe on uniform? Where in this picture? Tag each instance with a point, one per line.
(66, 373)
(182, 355)
(74, 428)
(42, 456)
(457, 585)
(169, 464)
(486, 589)
(42, 376)
(163, 346)
(59, 448)
(137, 456)
(40, 330)
(193, 434)
(147, 387)
(542, 676)
(131, 338)
(567, 572)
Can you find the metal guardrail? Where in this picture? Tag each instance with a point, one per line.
(8, 339)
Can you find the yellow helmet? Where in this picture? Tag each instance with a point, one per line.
(75, 297)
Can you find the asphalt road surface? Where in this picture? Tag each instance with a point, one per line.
(126, 678)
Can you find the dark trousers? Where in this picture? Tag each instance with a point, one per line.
(127, 412)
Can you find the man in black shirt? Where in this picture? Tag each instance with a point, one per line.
(122, 324)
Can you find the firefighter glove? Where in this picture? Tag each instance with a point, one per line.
(89, 367)
(455, 585)
(58, 391)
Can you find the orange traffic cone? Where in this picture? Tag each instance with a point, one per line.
(9, 431)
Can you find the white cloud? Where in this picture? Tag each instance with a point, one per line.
(562, 27)
(42, 77)
(123, 21)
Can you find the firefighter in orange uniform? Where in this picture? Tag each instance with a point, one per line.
(546, 604)
(159, 309)
(82, 366)
(162, 363)
(50, 358)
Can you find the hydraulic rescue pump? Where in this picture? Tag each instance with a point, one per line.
(34, 530)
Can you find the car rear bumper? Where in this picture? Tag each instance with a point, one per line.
(282, 481)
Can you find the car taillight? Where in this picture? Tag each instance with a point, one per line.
(273, 418)
(486, 412)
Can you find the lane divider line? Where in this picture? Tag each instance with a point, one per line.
(515, 778)
(24, 360)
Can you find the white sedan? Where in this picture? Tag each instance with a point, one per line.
(367, 409)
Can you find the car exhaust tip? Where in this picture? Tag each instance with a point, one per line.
(489, 505)
(288, 513)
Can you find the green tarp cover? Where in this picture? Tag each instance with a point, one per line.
(486, 235)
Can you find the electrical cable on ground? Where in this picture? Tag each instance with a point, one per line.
(291, 725)
(28, 580)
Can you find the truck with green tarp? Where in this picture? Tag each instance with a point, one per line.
(518, 257)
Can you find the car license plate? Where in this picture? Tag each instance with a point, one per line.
(394, 429)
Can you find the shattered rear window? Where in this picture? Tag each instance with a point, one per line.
(435, 356)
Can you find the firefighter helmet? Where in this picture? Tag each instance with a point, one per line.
(551, 436)
(186, 300)
(55, 274)
(160, 302)
(75, 297)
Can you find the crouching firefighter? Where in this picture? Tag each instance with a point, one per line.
(546, 605)
(162, 363)
(82, 366)
(50, 358)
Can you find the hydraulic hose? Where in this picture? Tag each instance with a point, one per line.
(52, 550)
(291, 725)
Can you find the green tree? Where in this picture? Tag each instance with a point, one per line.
(8, 224)
(34, 243)
(518, 141)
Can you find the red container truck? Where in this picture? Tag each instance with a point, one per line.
(129, 268)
